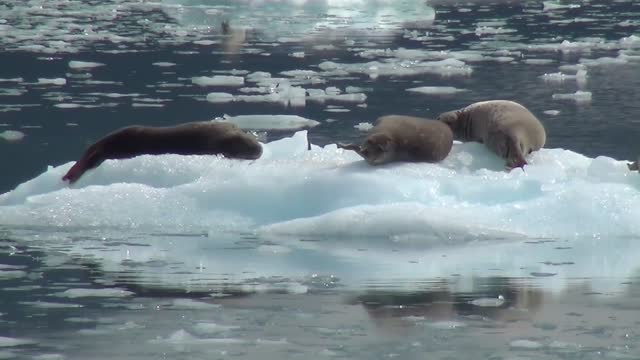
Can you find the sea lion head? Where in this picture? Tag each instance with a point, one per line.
(378, 149)
(452, 119)
(241, 146)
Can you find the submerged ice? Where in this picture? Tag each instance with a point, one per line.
(330, 192)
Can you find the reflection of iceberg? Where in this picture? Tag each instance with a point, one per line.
(281, 19)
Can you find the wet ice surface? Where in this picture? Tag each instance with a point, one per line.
(313, 253)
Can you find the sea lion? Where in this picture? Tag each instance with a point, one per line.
(505, 127)
(194, 138)
(633, 166)
(404, 138)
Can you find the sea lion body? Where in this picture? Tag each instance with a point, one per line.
(195, 138)
(405, 139)
(507, 128)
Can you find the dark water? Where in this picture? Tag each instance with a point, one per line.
(458, 304)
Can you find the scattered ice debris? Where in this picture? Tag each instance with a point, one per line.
(447, 325)
(83, 65)
(54, 81)
(270, 122)
(538, 61)
(556, 5)
(213, 328)
(579, 96)
(105, 292)
(299, 54)
(182, 337)
(436, 90)
(604, 61)
(524, 344)
(364, 126)
(192, 304)
(488, 302)
(12, 135)
(552, 112)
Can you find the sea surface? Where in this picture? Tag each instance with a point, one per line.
(312, 253)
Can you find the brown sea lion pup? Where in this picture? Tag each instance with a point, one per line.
(195, 138)
(404, 138)
(505, 127)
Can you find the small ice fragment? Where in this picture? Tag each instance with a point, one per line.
(488, 302)
(12, 135)
(54, 81)
(74, 64)
(9, 342)
(106, 292)
(163, 64)
(192, 304)
(579, 96)
(433, 90)
(552, 112)
(364, 126)
(218, 80)
(299, 54)
(219, 97)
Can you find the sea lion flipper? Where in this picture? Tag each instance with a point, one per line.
(514, 154)
(89, 160)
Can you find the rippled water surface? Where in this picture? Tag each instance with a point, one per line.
(314, 254)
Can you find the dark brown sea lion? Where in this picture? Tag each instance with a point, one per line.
(195, 138)
(404, 138)
(505, 127)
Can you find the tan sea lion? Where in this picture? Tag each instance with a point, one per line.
(195, 138)
(404, 138)
(505, 127)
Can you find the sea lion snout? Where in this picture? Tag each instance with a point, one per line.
(378, 149)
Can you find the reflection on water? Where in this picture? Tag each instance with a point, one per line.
(456, 316)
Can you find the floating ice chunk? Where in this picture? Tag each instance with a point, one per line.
(488, 302)
(12, 135)
(436, 90)
(551, 112)
(10, 342)
(163, 64)
(538, 61)
(525, 344)
(603, 61)
(632, 41)
(49, 357)
(218, 80)
(556, 5)
(258, 75)
(106, 292)
(580, 76)
(270, 122)
(55, 81)
(219, 97)
(579, 96)
(364, 126)
(298, 54)
(83, 65)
